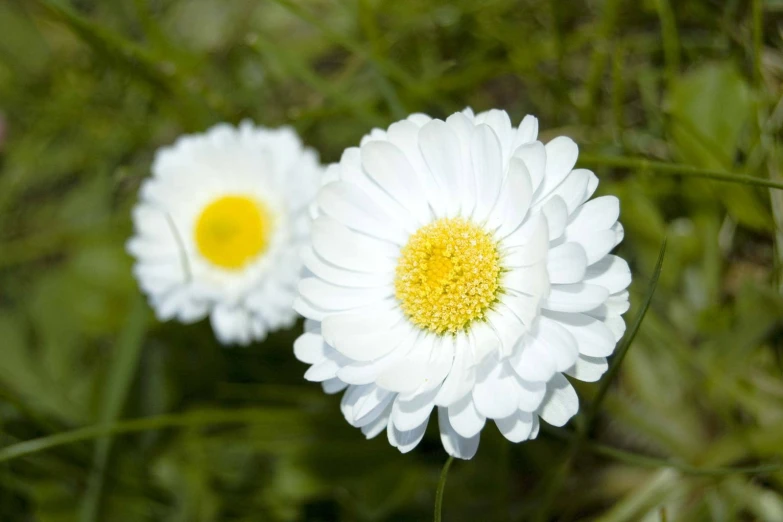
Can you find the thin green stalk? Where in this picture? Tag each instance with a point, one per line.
(671, 40)
(278, 420)
(120, 376)
(645, 461)
(579, 440)
(623, 347)
(441, 487)
(675, 169)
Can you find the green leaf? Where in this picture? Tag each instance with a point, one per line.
(709, 108)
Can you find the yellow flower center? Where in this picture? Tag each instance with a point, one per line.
(232, 230)
(447, 275)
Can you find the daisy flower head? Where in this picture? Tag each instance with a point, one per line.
(220, 225)
(460, 265)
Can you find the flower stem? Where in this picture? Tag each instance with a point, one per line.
(441, 486)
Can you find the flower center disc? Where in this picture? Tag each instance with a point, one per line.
(232, 230)
(447, 275)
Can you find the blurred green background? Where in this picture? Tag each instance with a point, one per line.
(89, 89)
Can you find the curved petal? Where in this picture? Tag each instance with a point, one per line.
(578, 297)
(516, 427)
(388, 167)
(465, 417)
(456, 445)
(560, 403)
(488, 169)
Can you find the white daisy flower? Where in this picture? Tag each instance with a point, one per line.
(220, 226)
(459, 265)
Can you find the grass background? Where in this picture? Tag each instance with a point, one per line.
(658, 93)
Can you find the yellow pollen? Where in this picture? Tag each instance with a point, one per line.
(447, 275)
(232, 230)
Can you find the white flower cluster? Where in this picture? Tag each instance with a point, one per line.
(457, 265)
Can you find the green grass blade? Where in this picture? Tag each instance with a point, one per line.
(646, 461)
(281, 422)
(675, 169)
(624, 346)
(388, 67)
(119, 378)
(140, 62)
(560, 474)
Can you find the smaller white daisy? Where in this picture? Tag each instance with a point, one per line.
(219, 227)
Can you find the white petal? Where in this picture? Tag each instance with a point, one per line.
(332, 386)
(405, 135)
(351, 170)
(440, 148)
(308, 310)
(332, 297)
(567, 263)
(342, 276)
(561, 154)
(596, 245)
(516, 427)
(411, 413)
(500, 123)
(495, 393)
(531, 394)
(561, 345)
(507, 326)
(534, 156)
(406, 440)
(410, 372)
(534, 250)
(616, 325)
(363, 404)
(611, 272)
(465, 417)
(484, 340)
(524, 307)
(366, 372)
(372, 429)
(617, 304)
(514, 201)
(463, 128)
(462, 375)
(588, 369)
(560, 403)
(455, 444)
(488, 169)
(535, 428)
(339, 246)
(348, 204)
(572, 191)
(231, 325)
(527, 131)
(594, 337)
(309, 348)
(388, 166)
(325, 369)
(597, 214)
(531, 362)
(532, 280)
(577, 297)
(556, 213)
(370, 345)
